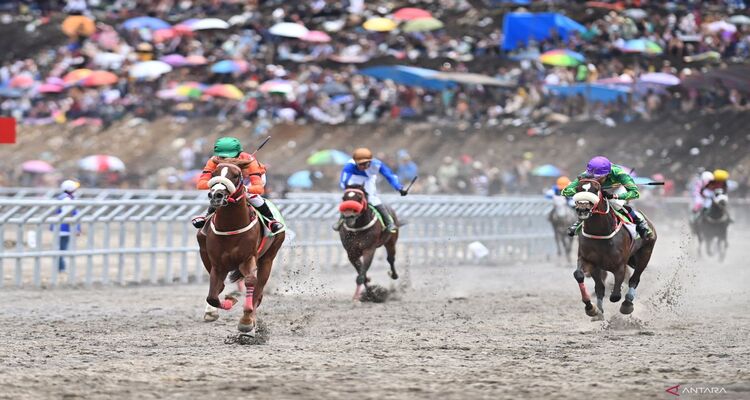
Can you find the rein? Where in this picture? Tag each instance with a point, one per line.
(595, 210)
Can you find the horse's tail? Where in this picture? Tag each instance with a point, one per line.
(235, 275)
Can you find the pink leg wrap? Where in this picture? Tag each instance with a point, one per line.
(227, 304)
(584, 292)
(249, 297)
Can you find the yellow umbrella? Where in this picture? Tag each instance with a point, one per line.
(380, 24)
(78, 25)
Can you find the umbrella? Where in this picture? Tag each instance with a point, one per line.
(350, 59)
(300, 180)
(209, 23)
(289, 29)
(227, 91)
(109, 60)
(635, 13)
(175, 60)
(739, 20)
(50, 88)
(410, 13)
(10, 92)
(186, 27)
(660, 78)
(409, 76)
(601, 4)
(162, 35)
(149, 69)
(380, 24)
(422, 25)
(334, 88)
(316, 37)
(229, 66)
(37, 167)
(100, 78)
(641, 46)
(101, 163)
(145, 22)
(720, 26)
(190, 89)
(562, 58)
(76, 75)
(547, 170)
(22, 81)
(328, 157)
(276, 86)
(78, 25)
(196, 60)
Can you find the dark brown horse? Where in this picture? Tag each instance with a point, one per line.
(362, 233)
(604, 246)
(712, 225)
(233, 241)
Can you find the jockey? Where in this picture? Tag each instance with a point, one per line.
(617, 185)
(229, 147)
(556, 189)
(363, 170)
(698, 199)
(710, 188)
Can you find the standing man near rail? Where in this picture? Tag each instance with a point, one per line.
(68, 188)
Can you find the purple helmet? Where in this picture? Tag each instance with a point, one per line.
(599, 166)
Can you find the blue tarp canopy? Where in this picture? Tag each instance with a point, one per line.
(591, 92)
(409, 76)
(521, 27)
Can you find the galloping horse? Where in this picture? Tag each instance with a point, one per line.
(561, 217)
(604, 246)
(362, 233)
(233, 241)
(712, 225)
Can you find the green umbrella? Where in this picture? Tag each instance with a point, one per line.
(422, 25)
(328, 157)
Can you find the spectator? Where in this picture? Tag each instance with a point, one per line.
(68, 188)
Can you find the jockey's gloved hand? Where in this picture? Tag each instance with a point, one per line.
(403, 192)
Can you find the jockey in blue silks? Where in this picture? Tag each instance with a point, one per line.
(363, 169)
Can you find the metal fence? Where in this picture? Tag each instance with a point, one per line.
(135, 236)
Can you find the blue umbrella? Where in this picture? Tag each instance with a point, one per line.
(300, 180)
(225, 67)
(547, 170)
(409, 76)
(328, 157)
(145, 22)
(590, 91)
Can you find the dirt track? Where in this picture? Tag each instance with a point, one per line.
(453, 332)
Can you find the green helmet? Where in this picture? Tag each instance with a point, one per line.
(227, 147)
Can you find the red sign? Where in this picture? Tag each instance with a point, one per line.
(7, 130)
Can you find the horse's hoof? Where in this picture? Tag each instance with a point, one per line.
(591, 311)
(246, 328)
(393, 275)
(626, 307)
(210, 316)
(614, 298)
(598, 317)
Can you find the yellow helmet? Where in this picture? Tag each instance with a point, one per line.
(563, 182)
(721, 175)
(361, 155)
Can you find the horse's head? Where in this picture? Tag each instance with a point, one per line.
(226, 184)
(354, 202)
(587, 198)
(720, 199)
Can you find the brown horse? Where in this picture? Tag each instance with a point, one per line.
(712, 225)
(603, 246)
(233, 241)
(362, 233)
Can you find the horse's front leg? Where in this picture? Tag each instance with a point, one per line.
(355, 258)
(250, 270)
(599, 275)
(585, 297)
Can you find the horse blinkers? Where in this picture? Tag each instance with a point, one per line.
(353, 204)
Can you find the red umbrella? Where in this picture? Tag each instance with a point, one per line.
(76, 75)
(50, 88)
(22, 81)
(410, 13)
(100, 78)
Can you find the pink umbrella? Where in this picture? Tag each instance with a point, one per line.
(161, 35)
(54, 80)
(409, 13)
(22, 81)
(50, 88)
(101, 163)
(37, 167)
(316, 37)
(196, 60)
(175, 60)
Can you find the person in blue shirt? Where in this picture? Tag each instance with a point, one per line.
(407, 169)
(68, 188)
(363, 169)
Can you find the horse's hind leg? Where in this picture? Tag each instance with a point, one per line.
(639, 261)
(390, 248)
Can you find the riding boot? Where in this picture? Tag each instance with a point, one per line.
(199, 221)
(389, 225)
(272, 223)
(641, 226)
(573, 229)
(336, 226)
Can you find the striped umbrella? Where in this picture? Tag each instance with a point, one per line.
(562, 58)
(101, 163)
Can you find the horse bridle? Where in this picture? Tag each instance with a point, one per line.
(363, 202)
(595, 210)
(237, 189)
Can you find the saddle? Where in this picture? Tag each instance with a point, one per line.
(377, 215)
